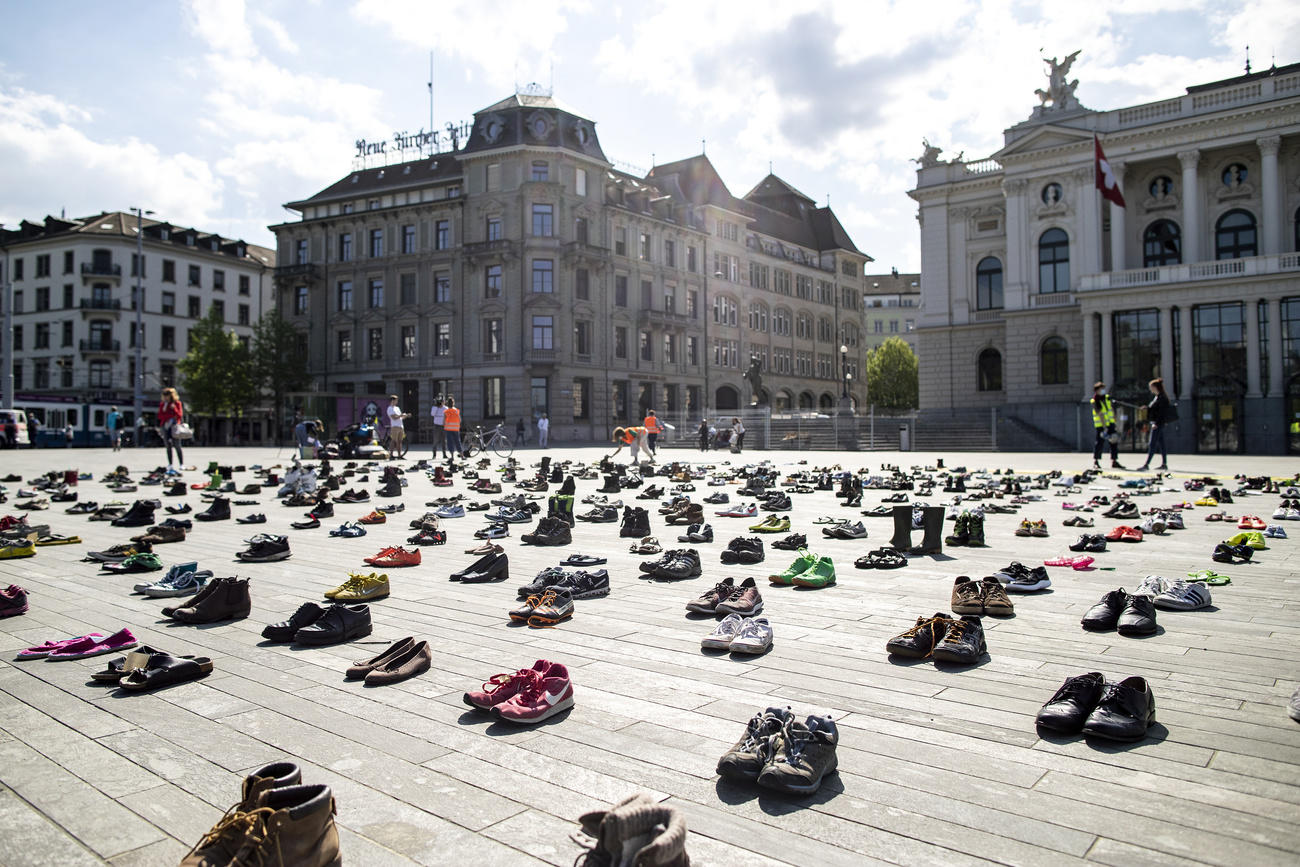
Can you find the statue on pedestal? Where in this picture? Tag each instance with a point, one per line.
(1059, 93)
(755, 378)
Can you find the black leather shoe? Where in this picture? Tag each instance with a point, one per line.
(1138, 616)
(477, 566)
(1103, 616)
(339, 623)
(495, 569)
(1124, 713)
(307, 614)
(1067, 711)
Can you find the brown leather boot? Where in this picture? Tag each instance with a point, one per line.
(230, 601)
(652, 834)
(288, 826)
(161, 534)
(207, 590)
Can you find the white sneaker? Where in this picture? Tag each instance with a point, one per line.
(755, 636)
(721, 636)
(1275, 531)
(1152, 585)
(1183, 596)
(1152, 526)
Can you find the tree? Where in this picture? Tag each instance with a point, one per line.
(892, 375)
(218, 369)
(279, 367)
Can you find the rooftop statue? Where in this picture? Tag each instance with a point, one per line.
(930, 156)
(1059, 93)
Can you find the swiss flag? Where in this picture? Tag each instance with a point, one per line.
(1106, 181)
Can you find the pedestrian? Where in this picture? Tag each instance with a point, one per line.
(543, 431)
(171, 412)
(33, 426)
(521, 432)
(652, 428)
(704, 434)
(1159, 412)
(635, 437)
(1103, 420)
(439, 414)
(67, 436)
(396, 427)
(451, 424)
(113, 427)
(737, 435)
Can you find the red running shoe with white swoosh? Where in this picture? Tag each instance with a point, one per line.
(539, 697)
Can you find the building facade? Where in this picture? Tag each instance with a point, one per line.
(1033, 287)
(73, 283)
(523, 273)
(890, 306)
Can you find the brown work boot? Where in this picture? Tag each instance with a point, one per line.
(637, 832)
(288, 826)
(230, 601)
(207, 590)
(161, 534)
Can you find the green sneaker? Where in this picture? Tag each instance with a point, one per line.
(142, 562)
(822, 574)
(802, 563)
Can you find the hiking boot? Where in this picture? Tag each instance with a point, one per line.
(802, 754)
(219, 510)
(285, 825)
(963, 642)
(751, 753)
(919, 641)
(229, 600)
(960, 531)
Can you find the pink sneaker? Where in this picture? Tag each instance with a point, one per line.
(503, 687)
(539, 698)
(94, 646)
(41, 651)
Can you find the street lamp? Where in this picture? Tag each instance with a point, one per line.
(845, 376)
(139, 317)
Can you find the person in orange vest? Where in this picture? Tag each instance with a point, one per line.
(451, 425)
(652, 429)
(634, 437)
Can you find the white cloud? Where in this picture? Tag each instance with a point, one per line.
(277, 32)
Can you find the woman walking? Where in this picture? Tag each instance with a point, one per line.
(1159, 411)
(170, 414)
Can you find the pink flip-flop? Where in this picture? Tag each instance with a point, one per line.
(41, 651)
(92, 646)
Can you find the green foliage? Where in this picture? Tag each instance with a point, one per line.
(278, 366)
(892, 375)
(218, 370)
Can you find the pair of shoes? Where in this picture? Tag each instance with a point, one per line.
(1124, 533)
(740, 634)
(403, 659)
(779, 752)
(527, 696)
(697, 533)
(1226, 553)
(220, 599)
(781, 524)
(392, 558)
(1128, 614)
(1093, 543)
(981, 597)
(146, 669)
(1087, 703)
(843, 530)
(793, 542)
(881, 558)
(743, 550)
(312, 624)
(81, 647)
(1076, 563)
(550, 531)
(677, 565)
(808, 570)
(727, 597)
(943, 639)
(145, 562)
(493, 566)
(554, 605)
(277, 821)
(648, 545)
(182, 579)
(361, 588)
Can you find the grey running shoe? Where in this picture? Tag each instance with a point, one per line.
(803, 753)
(746, 759)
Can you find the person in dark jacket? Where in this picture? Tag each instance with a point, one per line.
(1158, 415)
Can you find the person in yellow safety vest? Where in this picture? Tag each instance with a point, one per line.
(634, 437)
(1103, 420)
(652, 429)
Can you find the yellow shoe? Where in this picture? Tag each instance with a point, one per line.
(353, 583)
(16, 550)
(363, 588)
(1207, 501)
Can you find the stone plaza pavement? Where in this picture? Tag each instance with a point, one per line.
(937, 764)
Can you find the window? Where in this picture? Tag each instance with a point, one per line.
(442, 235)
(244, 314)
(17, 267)
(67, 295)
(1135, 352)
(42, 339)
(244, 284)
(494, 397)
(1053, 362)
(345, 295)
(647, 293)
(219, 280)
(644, 251)
(299, 301)
(67, 333)
(375, 344)
(442, 288)
(781, 323)
(581, 398)
(580, 230)
(620, 341)
(376, 243)
(988, 284)
(376, 286)
(670, 348)
(670, 253)
(492, 281)
(670, 299)
(441, 339)
(692, 260)
(1053, 264)
(1235, 175)
(645, 341)
(492, 177)
(1234, 235)
(541, 171)
(1219, 343)
(42, 298)
(724, 311)
(192, 307)
(43, 265)
(345, 346)
(168, 338)
(620, 398)
(539, 391)
(345, 247)
(758, 318)
(692, 350)
(453, 192)
(1161, 244)
(372, 205)
(18, 300)
(620, 290)
(581, 284)
(620, 241)
(878, 326)
(693, 304)
(408, 239)
(582, 337)
(893, 326)
(300, 252)
(989, 370)
(543, 220)
(803, 286)
(494, 228)
(101, 374)
(543, 332)
(219, 307)
(68, 262)
(493, 338)
(194, 276)
(781, 282)
(580, 181)
(406, 289)
(543, 276)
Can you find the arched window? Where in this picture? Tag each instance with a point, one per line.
(1162, 244)
(806, 400)
(1054, 362)
(1234, 235)
(1053, 262)
(988, 284)
(989, 369)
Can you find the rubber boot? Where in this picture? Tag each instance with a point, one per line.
(932, 526)
(560, 507)
(902, 539)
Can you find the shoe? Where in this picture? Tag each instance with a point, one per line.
(181, 580)
(1030, 581)
(291, 824)
(1183, 596)
(375, 517)
(744, 599)
(93, 645)
(754, 636)
(409, 662)
(492, 567)
(284, 631)
(707, 602)
(585, 585)
(13, 601)
(392, 558)
(747, 758)
(256, 518)
(337, 624)
(1104, 615)
(963, 643)
(802, 563)
(793, 542)
(229, 600)
(802, 754)
(266, 548)
(724, 633)
(679, 565)
(1138, 616)
(1068, 709)
(743, 550)
(348, 530)
(360, 588)
(919, 641)
(502, 687)
(218, 511)
(822, 574)
(1124, 712)
(781, 524)
(538, 697)
(554, 606)
(144, 562)
(968, 596)
(996, 601)
(17, 550)
(548, 577)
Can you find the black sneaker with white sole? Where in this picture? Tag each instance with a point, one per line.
(266, 549)
(586, 585)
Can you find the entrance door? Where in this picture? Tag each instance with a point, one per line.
(1293, 415)
(1218, 425)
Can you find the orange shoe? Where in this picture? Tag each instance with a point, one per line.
(391, 558)
(375, 517)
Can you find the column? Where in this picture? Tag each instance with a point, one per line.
(1191, 191)
(1118, 233)
(1271, 223)
(1015, 276)
(1088, 240)
(1107, 350)
(1186, 365)
(1276, 353)
(1167, 347)
(1251, 312)
(1089, 350)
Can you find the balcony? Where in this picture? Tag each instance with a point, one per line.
(540, 357)
(583, 251)
(108, 347)
(101, 271)
(501, 248)
(1193, 272)
(664, 318)
(1051, 299)
(304, 272)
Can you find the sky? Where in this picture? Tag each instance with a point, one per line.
(214, 113)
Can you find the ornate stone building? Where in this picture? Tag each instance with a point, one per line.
(1033, 287)
(523, 273)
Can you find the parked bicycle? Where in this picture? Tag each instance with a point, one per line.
(495, 439)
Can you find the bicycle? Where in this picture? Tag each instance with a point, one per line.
(386, 442)
(496, 440)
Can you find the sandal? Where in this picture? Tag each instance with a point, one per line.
(1209, 576)
(163, 669)
(826, 519)
(648, 545)
(583, 560)
(124, 665)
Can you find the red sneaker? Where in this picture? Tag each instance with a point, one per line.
(375, 517)
(538, 698)
(1117, 534)
(503, 687)
(390, 558)
(1131, 534)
